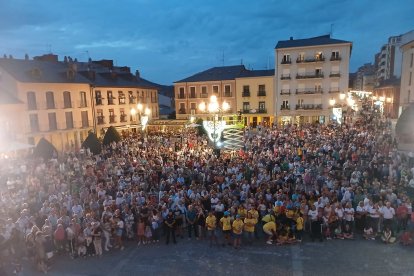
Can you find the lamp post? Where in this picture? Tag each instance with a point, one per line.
(215, 127)
(143, 116)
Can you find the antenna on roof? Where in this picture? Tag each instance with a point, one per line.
(49, 48)
(241, 62)
(222, 59)
(87, 53)
(331, 32)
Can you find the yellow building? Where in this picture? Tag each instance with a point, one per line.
(59, 99)
(255, 96)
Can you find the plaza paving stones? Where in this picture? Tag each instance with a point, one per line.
(337, 257)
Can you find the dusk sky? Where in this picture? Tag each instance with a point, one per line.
(172, 39)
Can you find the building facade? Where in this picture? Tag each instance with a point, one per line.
(309, 74)
(407, 72)
(365, 78)
(255, 97)
(387, 94)
(388, 61)
(192, 91)
(60, 101)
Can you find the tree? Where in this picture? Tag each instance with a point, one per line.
(45, 150)
(92, 143)
(200, 129)
(111, 135)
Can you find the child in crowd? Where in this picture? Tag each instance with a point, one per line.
(141, 232)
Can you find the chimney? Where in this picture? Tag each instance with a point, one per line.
(291, 38)
(137, 74)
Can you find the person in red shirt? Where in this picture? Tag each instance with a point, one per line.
(401, 213)
(59, 237)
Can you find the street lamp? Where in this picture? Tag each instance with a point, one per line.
(342, 96)
(216, 126)
(143, 116)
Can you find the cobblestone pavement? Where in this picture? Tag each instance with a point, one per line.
(337, 257)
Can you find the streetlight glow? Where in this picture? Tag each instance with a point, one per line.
(342, 96)
(147, 111)
(202, 106)
(139, 107)
(332, 102)
(133, 111)
(226, 106)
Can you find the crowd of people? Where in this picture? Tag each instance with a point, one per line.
(329, 181)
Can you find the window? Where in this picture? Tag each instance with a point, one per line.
(301, 57)
(193, 106)
(204, 92)
(31, 101)
(131, 97)
(411, 60)
(50, 100)
(192, 92)
(335, 55)
(110, 97)
(285, 104)
(246, 106)
(121, 97)
(111, 116)
(85, 120)
(318, 72)
(83, 102)
(318, 87)
(123, 115)
(246, 91)
(286, 59)
(69, 120)
(98, 97)
(67, 102)
(182, 108)
(300, 102)
(227, 90)
(262, 107)
(100, 117)
(409, 79)
(34, 123)
(181, 94)
(52, 121)
(262, 90)
(319, 56)
(215, 89)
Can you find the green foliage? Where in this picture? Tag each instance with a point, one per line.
(45, 150)
(200, 129)
(92, 143)
(111, 135)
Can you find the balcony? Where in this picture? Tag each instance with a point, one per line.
(193, 96)
(246, 94)
(309, 76)
(315, 59)
(123, 118)
(98, 101)
(131, 100)
(261, 93)
(300, 60)
(334, 90)
(67, 104)
(111, 101)
(285, 92)
(308, 106)
(203, 95)
(112, 119)
(286, 61)
(180, 96)
(100, 120)
(284, 107)
(83, 124)
(285, 77)
(122, 100)
(255, 111)
(308, 91)
(228, 94)
(182, 111)
(335, 58)
(335, 75)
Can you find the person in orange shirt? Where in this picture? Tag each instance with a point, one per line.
(225, 223)
(249, 226)
(237, 231)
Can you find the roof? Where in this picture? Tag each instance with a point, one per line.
(216, 74)
(227, 73)
(46, 71)
(37, 71)
(313, 41)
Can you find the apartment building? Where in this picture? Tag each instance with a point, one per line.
(309, 74)
(407, 72)
(388, 61)
(59, 100)
(192, 91)
(255, 96)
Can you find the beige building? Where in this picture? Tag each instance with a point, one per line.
(309, 74)
(192, 91)
(407, 72)
(255, 96)
(60, 101)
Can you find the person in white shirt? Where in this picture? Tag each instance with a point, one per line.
(388, 214)
(374, 215)
(339, 211)
(349, 214)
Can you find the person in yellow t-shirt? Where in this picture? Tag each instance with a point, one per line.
(255, 215)
(211, 224)
(299, 227)
(242, 211)
(225, 223)
(270, 230)
(237, 231)
(249, 225)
